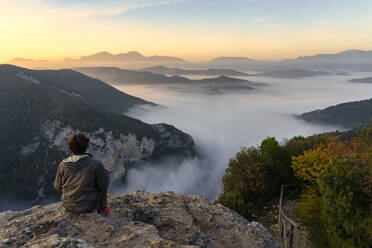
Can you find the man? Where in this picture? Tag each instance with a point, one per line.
(82, 180)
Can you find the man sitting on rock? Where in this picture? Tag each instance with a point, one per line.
(82, 180)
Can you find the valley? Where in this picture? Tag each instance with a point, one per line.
(221, 124)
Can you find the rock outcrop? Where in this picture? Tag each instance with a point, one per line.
(139, 219)
(115, 152)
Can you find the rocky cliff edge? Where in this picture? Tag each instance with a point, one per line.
(139, 219)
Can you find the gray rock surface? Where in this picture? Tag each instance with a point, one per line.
(139, 219)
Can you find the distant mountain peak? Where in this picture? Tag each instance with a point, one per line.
(18, 59)
(178, 71)
(156, 67)
(222, 78)
(129, 56)
(103, 53)
(231, 59)
(133, 53)
(352, 53)
(98, 56)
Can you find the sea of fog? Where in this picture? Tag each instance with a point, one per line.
(221, 124)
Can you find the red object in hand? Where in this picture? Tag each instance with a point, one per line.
(106, 210)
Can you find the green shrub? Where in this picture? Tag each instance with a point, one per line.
(277, 161)
(254, 176)
(346, 200)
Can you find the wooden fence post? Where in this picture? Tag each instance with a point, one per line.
(280, 212)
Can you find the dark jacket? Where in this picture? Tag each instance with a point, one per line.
(83, 182)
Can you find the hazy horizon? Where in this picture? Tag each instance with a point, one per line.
(57, 59)
(190, 29)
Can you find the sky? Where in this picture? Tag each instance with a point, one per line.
(196, 30)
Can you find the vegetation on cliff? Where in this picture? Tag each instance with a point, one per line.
(334, 171)
(254, 176)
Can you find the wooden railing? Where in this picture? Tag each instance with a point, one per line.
(287, 228)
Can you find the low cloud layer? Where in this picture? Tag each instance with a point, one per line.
(221, 124)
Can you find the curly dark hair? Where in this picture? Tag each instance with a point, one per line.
(78, 143)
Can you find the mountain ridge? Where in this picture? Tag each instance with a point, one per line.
(93, 90)
(205, 72)
(106, 56)
(293, 73)
(117, 75)
(348, 115)
(345, 53)
(367, 80)
(345, 60)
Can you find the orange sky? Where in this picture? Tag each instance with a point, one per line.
(33, 29)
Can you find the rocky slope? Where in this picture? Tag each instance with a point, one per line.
(38, 113)
(137, 220)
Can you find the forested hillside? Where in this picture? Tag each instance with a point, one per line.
(348, 115)
(332, 169)
(367, 80)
